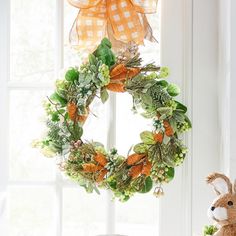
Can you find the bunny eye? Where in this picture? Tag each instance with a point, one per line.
(230, 203)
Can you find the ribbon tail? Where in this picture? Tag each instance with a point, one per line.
(73, 35)
(145, 6)
(148, 30)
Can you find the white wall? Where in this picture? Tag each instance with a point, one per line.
(227, 84)
(190, 48)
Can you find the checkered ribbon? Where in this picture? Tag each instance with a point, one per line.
(122, 21)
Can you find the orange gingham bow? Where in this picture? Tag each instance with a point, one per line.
(122, 21)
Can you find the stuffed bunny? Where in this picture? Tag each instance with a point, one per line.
(223, 209)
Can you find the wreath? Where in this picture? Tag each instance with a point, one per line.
(89, 163)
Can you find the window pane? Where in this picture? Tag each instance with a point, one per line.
(32, 49)
(71, 57)
(27, 124)
(138, 216)
(30, 211)
(83, 214)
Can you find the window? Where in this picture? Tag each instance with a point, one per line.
(40, 201)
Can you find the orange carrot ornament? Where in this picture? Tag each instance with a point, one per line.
(147, 168)
(135, 171)
(116, 87)
(101, 175)
(91, 168)
(100, 159)
(158, 137)
(134, 158)
(72, 111)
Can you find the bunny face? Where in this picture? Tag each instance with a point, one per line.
(223, 209)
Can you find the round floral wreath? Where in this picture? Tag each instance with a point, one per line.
(89, 163)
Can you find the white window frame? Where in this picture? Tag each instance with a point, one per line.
(181, 50)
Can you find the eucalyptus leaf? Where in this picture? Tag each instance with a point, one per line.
(140, 148)
(165, 110)
(147, 137)
(104, 95)
(92, 59)
(179, 117)
(181, 107)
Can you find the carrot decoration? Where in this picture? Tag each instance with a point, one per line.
(158, 137)
(134, 158)
(100, 159)
(135, 171)
(147, 168)
(72, 111)
(91, 168)
(120, 77)
(115, 87)
(117, 70)
(168, 129)
(132, 72)
(101, 175)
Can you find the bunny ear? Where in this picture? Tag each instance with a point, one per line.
(235, 187)
(220, 182)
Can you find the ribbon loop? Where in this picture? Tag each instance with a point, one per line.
(84, 3)
(122, 21)
(145, 6)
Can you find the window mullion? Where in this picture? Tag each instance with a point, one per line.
(59, 63)
(111, 142)
(4, 111)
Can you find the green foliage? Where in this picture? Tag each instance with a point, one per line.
(72, 75)
(152, 96)
(148, 185)
(210, 230)
(173, 90)
(104, 95)
(104, 53)
(147, 137)
(58, 99)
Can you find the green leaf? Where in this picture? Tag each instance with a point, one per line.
(188, 121)
(72, 75)
(179, 117)
(104, 95)
(57, 98)
(55, 117)
(147, 137)
(170, 173)
(181, 107)
(106, 42)
(173, 124)
(146, 99)
(77, 132)
(147, 185)
(168, 160)
(92, 59)
(163, 83)
(173, 90)
(104, 53)
(140, 148)
(165, 111)
(112, 184)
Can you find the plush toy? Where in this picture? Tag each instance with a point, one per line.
(223, 209)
